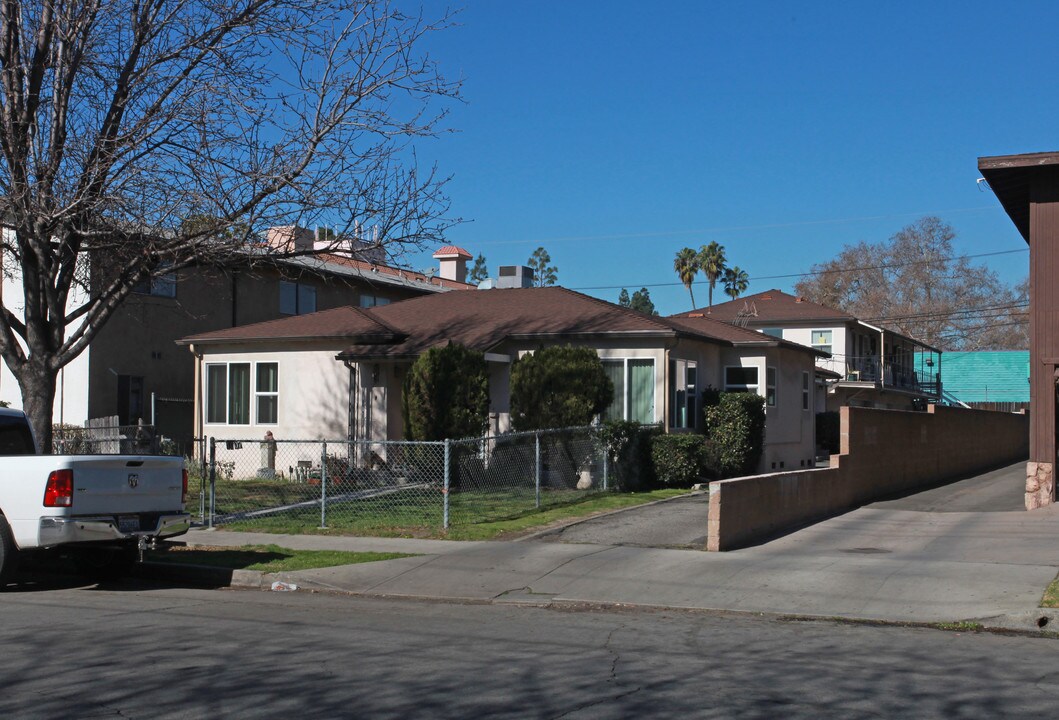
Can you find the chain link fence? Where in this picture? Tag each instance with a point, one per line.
(393, 486)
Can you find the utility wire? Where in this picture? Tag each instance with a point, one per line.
(734, 228)
(817, 272)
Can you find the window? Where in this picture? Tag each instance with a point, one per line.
(806, 388)
(372, 300)
(774, 332)
(267, 393)
(239, 394)
(821, 340)
(682, 376)
(741, 379)
(216, 393)
(634, 389)
(770, 387)
(160, 286)
(228, 393)
(296, 298)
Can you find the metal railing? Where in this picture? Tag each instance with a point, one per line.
(393, 487)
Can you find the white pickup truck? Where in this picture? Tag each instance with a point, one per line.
(103, 507)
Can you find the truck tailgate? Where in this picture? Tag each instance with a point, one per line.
(126, 484)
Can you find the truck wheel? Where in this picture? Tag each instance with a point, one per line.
(107, 563)
(8, 553)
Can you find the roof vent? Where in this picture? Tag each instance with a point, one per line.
(696, 315)
(766, 297)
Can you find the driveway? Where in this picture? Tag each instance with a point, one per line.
(678, 523)
(681, 523)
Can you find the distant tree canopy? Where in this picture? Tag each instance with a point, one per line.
(544, 273)
(479, 271)
(561, 386)
(913, 284)
(640, 301)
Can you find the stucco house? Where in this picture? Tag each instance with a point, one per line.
(863, 365)
(338, 374)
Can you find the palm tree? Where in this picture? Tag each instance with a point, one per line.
(687, 266)
(711, 263)
(736, 281)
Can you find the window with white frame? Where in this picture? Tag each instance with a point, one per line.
(741, 379)
(228, 393)
(770, 387)
(634, 389)
(266, 393)
(806, 390)
(682, 383)
(296, 298)
(821, 340)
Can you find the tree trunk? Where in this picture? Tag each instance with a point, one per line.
(38, 399)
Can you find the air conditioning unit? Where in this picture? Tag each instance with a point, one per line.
(515, 276)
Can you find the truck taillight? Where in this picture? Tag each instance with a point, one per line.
(184, 487)
(60, 489)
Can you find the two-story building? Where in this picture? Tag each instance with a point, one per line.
(866, 366)
(133, 369)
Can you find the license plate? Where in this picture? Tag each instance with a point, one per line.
(128, 523)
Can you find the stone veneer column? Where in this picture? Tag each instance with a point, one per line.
(1040, 484)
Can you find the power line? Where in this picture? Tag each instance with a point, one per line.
(948, 313)
(817, 272)
(734, 228)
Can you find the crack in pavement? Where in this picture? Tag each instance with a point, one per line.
(567, 562)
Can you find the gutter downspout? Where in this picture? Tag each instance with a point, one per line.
(198, 429)
(351, 401)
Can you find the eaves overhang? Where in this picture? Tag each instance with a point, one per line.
(1011, 178)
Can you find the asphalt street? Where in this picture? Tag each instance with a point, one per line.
(132, 651)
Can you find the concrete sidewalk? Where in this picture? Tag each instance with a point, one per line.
(869, 564)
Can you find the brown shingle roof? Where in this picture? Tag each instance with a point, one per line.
(481, 320)
(771, 306)
(335, 323)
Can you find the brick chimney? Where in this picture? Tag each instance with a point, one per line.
(452, 263)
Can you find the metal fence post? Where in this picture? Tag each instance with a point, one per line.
(537, 467)
(323, 485)
(213, 480)
(605, 454)
(204, 462)
(445, 490)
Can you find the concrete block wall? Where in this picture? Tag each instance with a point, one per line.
(882, 452)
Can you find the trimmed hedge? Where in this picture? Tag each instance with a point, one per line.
(560, 386)
(736, 428)
(679, 460)
(628, 447)
(446, 394)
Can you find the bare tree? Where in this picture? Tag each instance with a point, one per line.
(120, 121)
(915, 285)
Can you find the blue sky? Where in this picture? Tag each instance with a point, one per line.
(616, 133)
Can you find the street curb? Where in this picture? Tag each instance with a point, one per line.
(577, 521)
(201, 575)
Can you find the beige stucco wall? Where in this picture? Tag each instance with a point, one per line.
(883, 452)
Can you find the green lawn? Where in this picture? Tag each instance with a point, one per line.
(475, 515)
(266, 558)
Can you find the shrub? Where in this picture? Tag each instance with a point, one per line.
(558, 387)
(736, 428)
(628, 447)
(827, 431)
(446, 394)
(679, 460)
